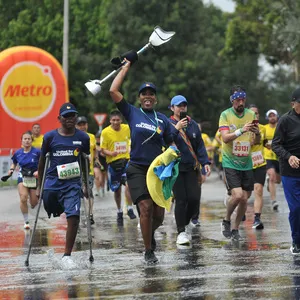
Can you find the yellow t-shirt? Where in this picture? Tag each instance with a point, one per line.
(207, 143)
(113, 140)
(37, 142)
(257, 151)
(92, 152)
(217, 145)
(269, 154)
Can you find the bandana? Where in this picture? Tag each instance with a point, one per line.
(237, 95)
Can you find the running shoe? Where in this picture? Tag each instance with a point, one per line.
(150, 257)
(92, 219)
(295, 249)
(68, 263)
(195, 222)
(96, 193)
(275, 205)
(226, 229)
(183, 238)
(131, 214)
(120, 218)
(257, 224)
(26, 225)
(235, 235)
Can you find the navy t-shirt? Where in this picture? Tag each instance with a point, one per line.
(28, 160)
(148, 134)
(63, 150)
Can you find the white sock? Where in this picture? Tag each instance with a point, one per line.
(120, 210)
(25, 217)
(129, 207)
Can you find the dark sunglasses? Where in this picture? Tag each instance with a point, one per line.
(183, 104)
(69, 115)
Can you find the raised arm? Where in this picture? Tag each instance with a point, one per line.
(114, 90)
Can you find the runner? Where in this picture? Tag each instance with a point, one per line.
(37, 136)
(286, 144)
(270, 157)
(236, 125)
(187, 188)
(115, 145)
(62, 187)
(27, 158)
(82, 124)
(259, 171)
(150, 131)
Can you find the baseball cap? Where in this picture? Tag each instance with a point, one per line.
(82, 119)
(296, 95)
(67, 108)
(272, 111)
(146, 85)
(176, 100)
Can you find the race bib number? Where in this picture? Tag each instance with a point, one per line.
(68, 171)
(241, 148)
(120, 147)
(29, 182)
(257, 158)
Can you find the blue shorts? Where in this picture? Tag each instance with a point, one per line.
(58, 201)
(117, 174)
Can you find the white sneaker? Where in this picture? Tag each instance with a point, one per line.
(68, 263)
(183, 238)
(26, 225)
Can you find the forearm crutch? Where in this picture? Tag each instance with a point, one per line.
(88, 221)
(39, 207)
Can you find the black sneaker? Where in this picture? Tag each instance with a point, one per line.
(153, 243)
(295, 249)
(131, 214)
(226, 229)
(257, 224)
(120, 218)
(150, 257)
(235, 236)
(275, 205)
(92, 219)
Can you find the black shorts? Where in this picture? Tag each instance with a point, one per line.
(136, 180)
(103, 163)
(260, 175)
(236, 179)
(273, 164)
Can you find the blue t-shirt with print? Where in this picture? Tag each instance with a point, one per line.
(28, 160)
(148, 133)
(63, 150)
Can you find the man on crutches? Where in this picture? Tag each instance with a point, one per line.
(62, 186)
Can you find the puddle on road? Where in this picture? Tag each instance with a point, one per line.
(213, 268)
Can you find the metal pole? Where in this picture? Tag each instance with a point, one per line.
(66, 38)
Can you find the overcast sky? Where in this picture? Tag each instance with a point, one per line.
(226, 5)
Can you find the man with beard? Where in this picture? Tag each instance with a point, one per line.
(271, 157)
(237, 127)
(62, 187)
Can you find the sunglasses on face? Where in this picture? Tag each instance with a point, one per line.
(69, 115)
(182, 105)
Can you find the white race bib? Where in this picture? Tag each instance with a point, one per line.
(29, 182)
(68, 171)
(257, 158)
(120, 147)
(241, 148)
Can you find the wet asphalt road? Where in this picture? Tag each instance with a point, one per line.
(261, 267)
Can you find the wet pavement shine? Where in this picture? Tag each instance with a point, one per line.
(260, 267)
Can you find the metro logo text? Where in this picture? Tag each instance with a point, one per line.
(25, 91)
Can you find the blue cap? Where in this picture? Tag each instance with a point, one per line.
(67, 108)
(176, 100)
(148, 85)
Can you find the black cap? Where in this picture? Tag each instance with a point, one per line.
(67, 108)
(147, 85)
(82, 120)
(296, 95)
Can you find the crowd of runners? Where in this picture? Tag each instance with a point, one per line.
(241, 152)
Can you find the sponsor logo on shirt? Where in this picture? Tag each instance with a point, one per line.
(146, 126)
(77, 143)
(64, 153)
(232, 127)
